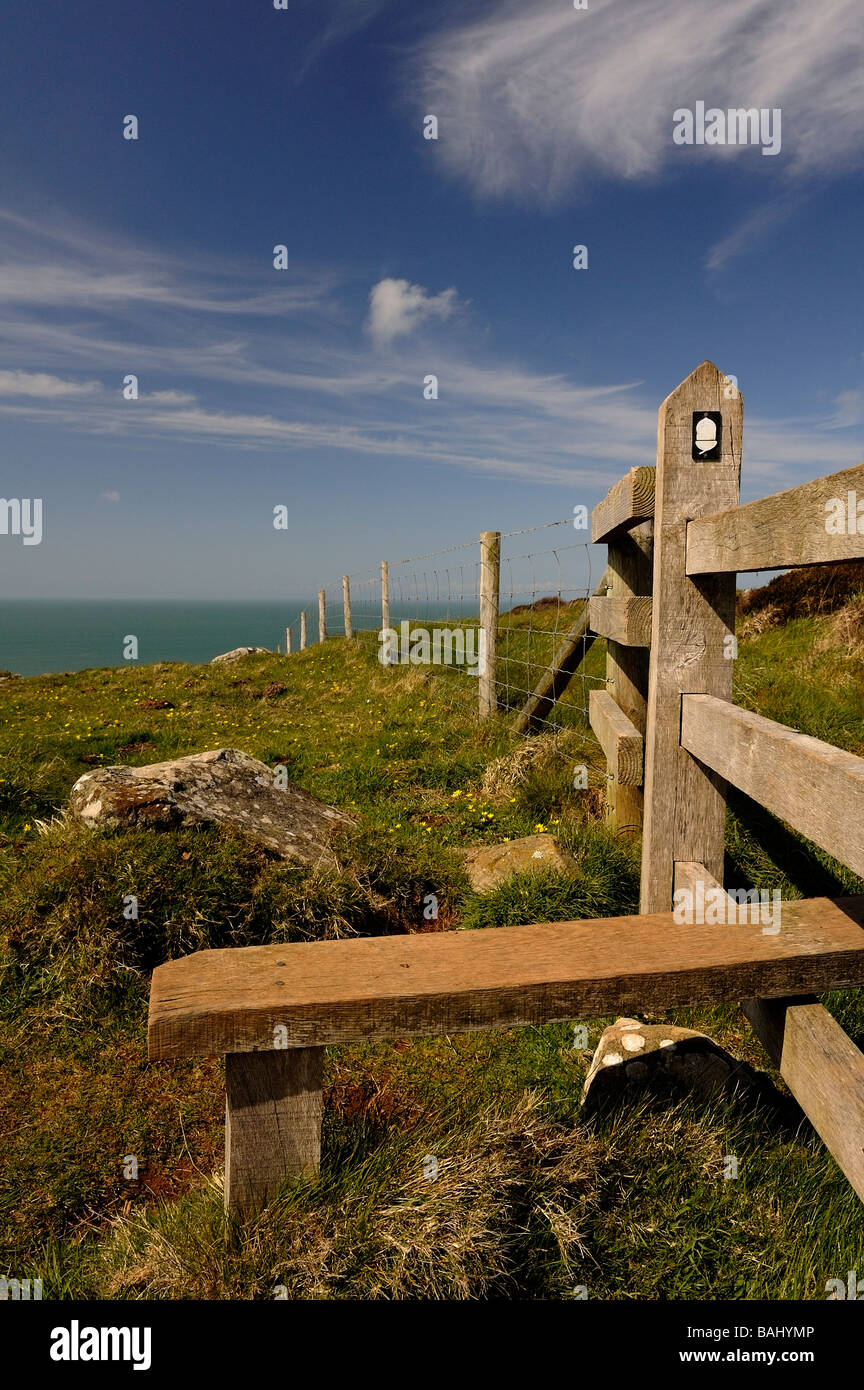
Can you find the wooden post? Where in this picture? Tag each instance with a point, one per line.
(684, 802)
(272, 1123)
(302, 632)
(287, 641)
(322, 615)
(346, 605)
(490, 569)
(385, 594)
(630, 569)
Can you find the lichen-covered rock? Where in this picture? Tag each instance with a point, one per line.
(660, 1058)
(491, 865)
(226, 786)
(238, 653)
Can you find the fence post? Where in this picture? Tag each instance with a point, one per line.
(287, 641)
(630, 570)
(684, 801)
(490, 569)
(302, 632)
(385, 594)
(346, 605)
(322, 615)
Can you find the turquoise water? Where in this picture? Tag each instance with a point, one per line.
(38, 637)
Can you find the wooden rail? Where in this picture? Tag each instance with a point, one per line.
(797, 527)
(619, 738)
(626, 621)
(822, 1067)
(630, 501)
(814, 787)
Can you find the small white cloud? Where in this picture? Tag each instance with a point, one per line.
(397, 307)
(110, 496)
(169, 398)
(41, 384)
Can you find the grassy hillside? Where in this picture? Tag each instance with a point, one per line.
(530, 1200)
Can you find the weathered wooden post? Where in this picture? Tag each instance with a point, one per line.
(322, 615)
(302, 632)
(272, 1123)
(385, 594)
(698, 473)
(346, 605)
(287, 641)
(490, 569)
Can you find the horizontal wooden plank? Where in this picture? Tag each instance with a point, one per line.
(787, 529)
(625, 620)
(310, 994)
(619, 738)
(822, 1067)
(814, 787)
(629, 501)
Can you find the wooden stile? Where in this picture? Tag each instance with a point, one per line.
(814, 787)
(619, 738)
(630, 501)
(630, 565)
(625, 620)
(273, 1107)
(822, 1067)
(328, 992)
(685, 803)
(781, 531)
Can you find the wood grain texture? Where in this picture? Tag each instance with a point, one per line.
(631, 500)
(346, 605)
(619, 738)
(630, 564)
(272, 1123)
(571, 651)
(490, 570)
(823, 1069)
(382, 987)
(814, 787)
(778, 532)
(685, 803)
(625, 620)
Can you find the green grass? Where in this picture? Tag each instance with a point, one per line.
(531, 1199)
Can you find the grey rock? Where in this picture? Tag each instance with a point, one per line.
(239, 652)
(226, 786)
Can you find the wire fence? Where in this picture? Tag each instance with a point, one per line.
(426, 610)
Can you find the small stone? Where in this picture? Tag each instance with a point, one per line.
(493, 864)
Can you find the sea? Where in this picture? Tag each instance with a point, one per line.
(41, 636)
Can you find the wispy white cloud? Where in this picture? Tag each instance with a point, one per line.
(532, 99)
(44, 385)
(396, 308)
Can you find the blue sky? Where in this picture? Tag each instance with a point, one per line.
(304, 387)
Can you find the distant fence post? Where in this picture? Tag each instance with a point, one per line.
(346, 605)
(685, 802)
(287, 641)
(385, 594)
(322, 615)
(302, 632)
(490, 569)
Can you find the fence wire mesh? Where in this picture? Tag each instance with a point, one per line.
(543, 594)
